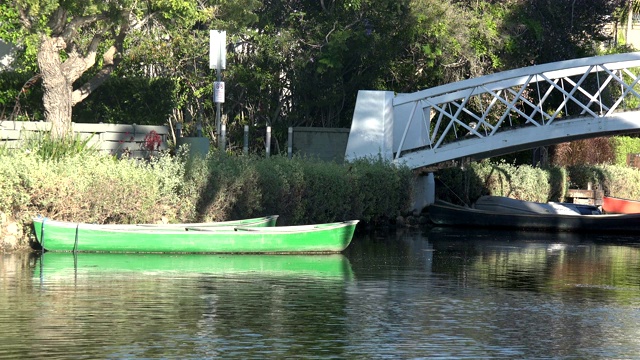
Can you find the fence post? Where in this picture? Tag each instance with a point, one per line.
(223, 136)
(268, 141)
(178, 130)
(290, 141)
(245, 147)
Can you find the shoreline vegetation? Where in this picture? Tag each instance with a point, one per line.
(71, 182)
(90, 187)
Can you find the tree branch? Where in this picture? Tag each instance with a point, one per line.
(109, 63)
(78, 22)
(57, 21)
(24, 18)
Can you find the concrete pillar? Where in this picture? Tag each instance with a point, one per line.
(431, 189)
(424, 192)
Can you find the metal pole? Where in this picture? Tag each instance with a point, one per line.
(268, 141)
(223, 137)
(290, 141)
(219, 76)
(245, 148)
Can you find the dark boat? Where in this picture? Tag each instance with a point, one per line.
(510, 205)
(446, 214)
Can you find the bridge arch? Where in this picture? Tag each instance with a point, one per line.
(500, 113)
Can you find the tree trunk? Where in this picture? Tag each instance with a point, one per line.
(629, 23)
(57, 88)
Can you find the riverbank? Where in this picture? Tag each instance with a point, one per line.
(93, 188)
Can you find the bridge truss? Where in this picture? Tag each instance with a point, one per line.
(517, 110)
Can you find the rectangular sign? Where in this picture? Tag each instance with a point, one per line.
(217, 49)
(218, 91)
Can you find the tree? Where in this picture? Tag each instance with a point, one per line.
(65, 37)
(447, 42)
(552, 30)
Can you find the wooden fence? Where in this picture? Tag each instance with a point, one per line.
(116, 139)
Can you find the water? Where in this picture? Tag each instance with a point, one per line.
(407, 294)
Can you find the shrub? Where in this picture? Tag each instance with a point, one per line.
(92, 187)
(600, 150)
(47, 147)
(19, 93)
(625, 145)
(500, 179)
(299, 190)
(142, 101)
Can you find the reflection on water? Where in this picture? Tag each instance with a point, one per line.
(405, 294)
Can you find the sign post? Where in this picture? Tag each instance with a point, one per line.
(218, 61)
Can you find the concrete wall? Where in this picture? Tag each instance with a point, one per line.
(327, 144)
(115, 139)
(372, 126)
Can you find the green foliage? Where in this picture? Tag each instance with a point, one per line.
(501, 179)
(614, 180)
(293, 63)
(47, 147)
(130, 100)
(621, 181)
(379, 188)
(543, 31)
(85, 187)
(299, 190)
(17, 93)
(583, 174)
(623, 146)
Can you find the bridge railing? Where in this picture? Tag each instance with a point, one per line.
(535, 96)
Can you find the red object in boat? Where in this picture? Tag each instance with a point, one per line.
(613, 205)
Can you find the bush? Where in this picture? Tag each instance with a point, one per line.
(88, 188)
(142, 101)
(625, 145)
(619, 181)
(600, 150)
(299, 190)
(15, 93)
(524, 182)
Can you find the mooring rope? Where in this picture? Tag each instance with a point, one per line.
(75, 245)
(42, 233)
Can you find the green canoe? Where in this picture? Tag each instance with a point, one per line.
(67, 266)
(265, 221)
(66, 236)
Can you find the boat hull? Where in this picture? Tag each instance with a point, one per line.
(613, 205)
(79, 237)
(446, 214)
(509, 205)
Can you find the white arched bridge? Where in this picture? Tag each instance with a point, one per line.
(500, 113)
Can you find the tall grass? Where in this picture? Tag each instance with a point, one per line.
(46, 146)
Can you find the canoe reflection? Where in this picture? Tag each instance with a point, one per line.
(61, 265)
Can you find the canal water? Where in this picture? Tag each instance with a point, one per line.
(431, 293)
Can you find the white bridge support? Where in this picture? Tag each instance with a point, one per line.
(500, 113)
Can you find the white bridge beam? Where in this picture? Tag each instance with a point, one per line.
(510, 141)
(500, 113)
